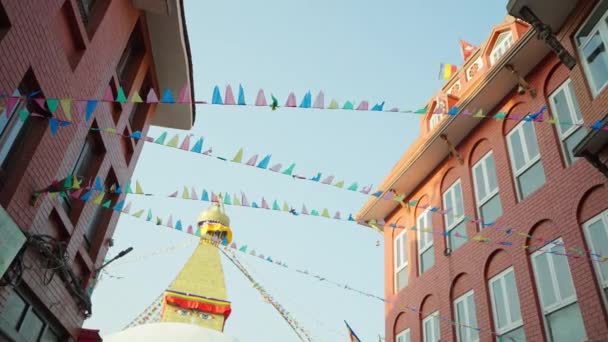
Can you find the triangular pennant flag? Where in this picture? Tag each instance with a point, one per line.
(189, 230)
(138, 189)
(254, 205)
(136, 135)
(107, 204)
(66, 106)
(314, 213)
(366, 190)
(337, 216)
(264, 204)
(377, 194)
(325, 213)
(340, 184)
(67, 183)
(238, 157)
(119, 206)
(184, 94)
(198, 147)
(328, 180)
(136, 98)
(421, 111)
(161, 139)
(167, 96)
(289, 170)
(275, 205)
(350, 217)
(291, 100)
(260, 100)
(40, 101)
(185, 144)
(91, 104)
(98, 185)
(319, 101)
(108, 96)
(306, 101)
(98, 199)
(235, 200)
(178, 225)
(139, 213)
(244, 200)
(353, 187)
(229, 96)
(304, 211)
(159, 221)
(364, 105)
(121, 97)
(76, 194)
(316, 178)
(243, 248)
(128, 188)
(205, 196)
(185, 194)
(170, 221)
(453, 111)
(378, 107)
(214, 197)
(173, 142)
(348, 106)
(333, 104)
(479, 114)
(252, 160)
(264, 162)
(276, 167)
(149, 216)
(54, 124)
(216, 98)
(87, 196)
(285, 206)
(10, 104)
(127, 208)
(241, 100)
(275, 103)
(227, 200)
(193, 194)
(152, 97)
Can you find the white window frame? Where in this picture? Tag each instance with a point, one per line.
(501, 47)
(11, 131)
(404, 336)
(434, 319)
(404, 262)
(576, 121)
(603, 216)
(490, 193)
(603, 30)
(424, 236)
(460, 321)
(435, 120)
(512, 325)
(529, 161)
(449, 204)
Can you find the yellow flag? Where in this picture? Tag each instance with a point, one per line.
(135, 98)
(238, 157)
(138, 189)
(173, 142)
(139, 213)
(185, 195)
(98, 199)
(340, 184)
(333, 105)
(66, 105)
(76, 183)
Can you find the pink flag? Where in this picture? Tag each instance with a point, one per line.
(319, 101)
(214, 197)
(189, 231)
(127, 208)
(80, 107)
(304, 210)
(264, 204)
(152, 98)
(337, 216)
(208, 152)
(185, 144)
(229, 97)
(173, 194)
(363, 106)
(184, 94)
(276, 168)
(233, 245)
(291, 100)
(170, 221)
(244, 201)
(389, 195)
(76, 194)
(193, 194)
(366, 190)
(328, 180)
(252, 160)
(11, 102)
(40, 101)
(108, 96)
(261, 99)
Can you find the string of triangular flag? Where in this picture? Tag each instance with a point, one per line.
(97, 193)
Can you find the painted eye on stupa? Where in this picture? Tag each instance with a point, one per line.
(205, 316)
(183, 312)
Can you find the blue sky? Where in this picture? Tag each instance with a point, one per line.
(385, 50)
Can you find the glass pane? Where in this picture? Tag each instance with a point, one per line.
(427, 331)
(402, 278)
(517, 152)
(578, 116)
(454, 241)
(473, 334)
(516, 335)
(9, 136)
(49, 336)
(13, 311)
(398, 253)
(492, 210)
(566, 324)
(428, 237)
(597, 60)
(403, 249)
(450, 217)
(491, 172)
(599, 244)
(573, 140)
(458, 206)
(512, 296)
(562, 272)
(461, 319)
(531, 179)
(31, 327)
(480, 186)
(562, 110)
(498, 301)
(427, 259)
(530, 137)
(436, 334)
(544, 280)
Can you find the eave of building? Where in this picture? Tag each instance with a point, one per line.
(172, 59)
(422, 158)
(552, 13)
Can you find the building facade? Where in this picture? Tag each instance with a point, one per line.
(74, 50)
(492, 219)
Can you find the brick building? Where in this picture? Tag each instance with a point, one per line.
(74, 49)
(494, 196)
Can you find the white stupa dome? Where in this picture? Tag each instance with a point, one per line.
(167, 331)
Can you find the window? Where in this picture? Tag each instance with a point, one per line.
(487, 198)
(591, 41)
(454, 219)
(563, 319)
(430, 328)
(131, 58)
(99, 219)
(505, 306)
(465, 315)
(596, 232)
(525, 159)
(401, 261)
(404, 336)
(5, 23)
(92, 12)
(435, 120)
(139, 111)
(565, 106)
(502, 45)
(426, 251)
(85, 7)
(29, 324)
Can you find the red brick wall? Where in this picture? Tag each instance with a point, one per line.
(36, 39)
(571, 195)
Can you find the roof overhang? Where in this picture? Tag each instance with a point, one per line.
(552, 13)
(172, 59)
(409, 173)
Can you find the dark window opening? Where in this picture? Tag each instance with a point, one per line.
(92, 12)
(131, 58)
(139, 112)
(116, 107)
(98, 223)
(5, 23)
(56, 228)
(69, 34)
(127, 146)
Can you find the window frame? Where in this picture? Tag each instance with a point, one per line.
(459, 321)
(433, 317)
(480, 202)
(422, 235)
(513, 325)
(528, 161)
(435, 120)
(576, 121)
(457, 219)
(405, 334)
(399, 265)
(579, 47)
(602, 283)
(13, 125)
(505, 44)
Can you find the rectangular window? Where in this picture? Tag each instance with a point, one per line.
(591, 41)
(502, 45)
(131, 58)
(430, 328)
(487, 198)
(435, 120)
(426, 251)
(565, 107)
(596, 232)
(505, 306)
(466, 316)
(98, 223)
(525, 159)
(401, 261)
(454, 218)
(563, 319)
(404, 336)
